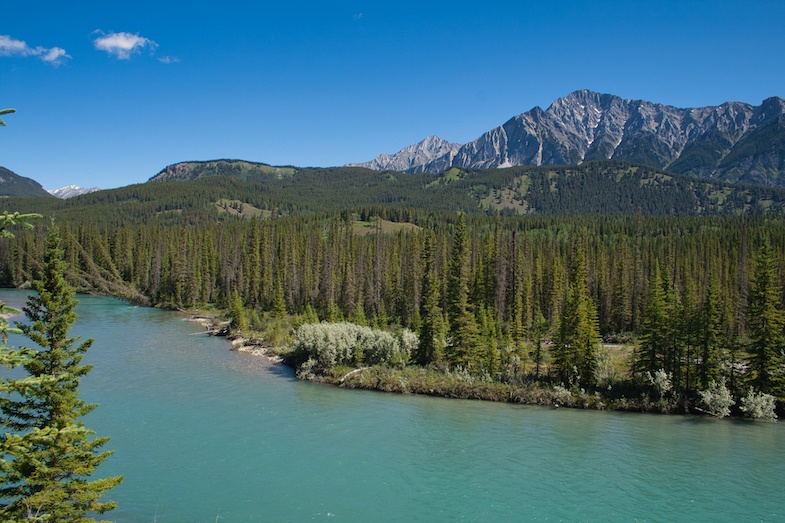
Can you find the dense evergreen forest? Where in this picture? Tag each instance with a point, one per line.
(698, 300)
(693, 291)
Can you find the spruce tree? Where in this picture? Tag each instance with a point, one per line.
(649, 353)
(577, 344)
(430, 345)
(462, 349)
(48, 457)
(765, 322)
(539, 330)
(711, 335)
(237, 312)
(673, 348)
(5, 111)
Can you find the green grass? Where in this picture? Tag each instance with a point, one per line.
(241, 209)
(365, 227)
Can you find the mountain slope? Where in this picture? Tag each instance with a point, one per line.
(11, 184)
(608, 187)
(734, 142)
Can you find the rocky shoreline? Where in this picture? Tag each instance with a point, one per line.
(253, 346)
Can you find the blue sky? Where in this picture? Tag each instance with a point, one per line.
(109, 93)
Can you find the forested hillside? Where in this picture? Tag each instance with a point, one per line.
(592, 188)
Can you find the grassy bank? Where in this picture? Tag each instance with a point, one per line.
(373, 359)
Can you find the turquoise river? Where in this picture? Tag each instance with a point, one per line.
(205, 434)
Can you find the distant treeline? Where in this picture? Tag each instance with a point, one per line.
(702, 296)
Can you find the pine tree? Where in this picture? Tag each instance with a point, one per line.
(430, 347)
(47, 458)
(237, 312)
(577, 345)
(462, 349)
(649, 353)
(279, 302)
(539, 329)
(6, 111)
(673, 331)
(765, 321)
(710, 335)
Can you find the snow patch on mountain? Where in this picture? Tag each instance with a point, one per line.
(70, 191)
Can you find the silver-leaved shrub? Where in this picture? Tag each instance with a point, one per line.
(329, 344)
(717, 399)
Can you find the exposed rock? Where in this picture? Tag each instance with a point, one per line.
(734, 142)
(412, 156)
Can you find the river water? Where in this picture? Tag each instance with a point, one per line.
(204, 434)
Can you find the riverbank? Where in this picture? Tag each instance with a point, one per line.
(462, 385)
(617, 392)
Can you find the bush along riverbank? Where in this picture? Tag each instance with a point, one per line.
(359, 357)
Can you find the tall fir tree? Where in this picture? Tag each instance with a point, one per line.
(577, 344)
(649, 352)
(539, 330)
(765, 323)
(711, 334)
(674, 342)
(463, 347)
(48, 457)
(430, 347)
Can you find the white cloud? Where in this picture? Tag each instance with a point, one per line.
(12, 47)
(169, 60)
(357, 16)
(54, 55)
(123, 45)
(9, 46)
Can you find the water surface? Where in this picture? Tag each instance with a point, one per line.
(205, 434)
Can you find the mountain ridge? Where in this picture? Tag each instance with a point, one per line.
(734, 141)
(411, 156)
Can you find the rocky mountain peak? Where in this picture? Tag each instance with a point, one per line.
(585, 125)
(411, 156)
(70, 191)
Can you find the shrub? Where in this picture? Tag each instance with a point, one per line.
(409, 343)
(379, 347)
(661, 381)
(561, 395)
(717, 399)
(758, 405)
(331, 344)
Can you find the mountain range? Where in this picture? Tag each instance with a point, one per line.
(70, 191)
(733, 142)
(12, 184)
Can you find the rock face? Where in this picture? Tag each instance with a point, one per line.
(412, 156)
(72, 190)
(734, 142)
